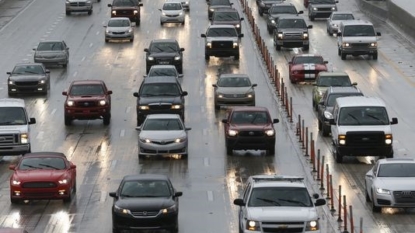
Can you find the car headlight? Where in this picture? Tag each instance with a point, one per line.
(273, 21)
(312, 226)
(114, 12)
(144, 107)
(88, 2)
(388, 139)
(383, 191)
(342, 139)
(280, 35)
(220, 95)
(270, 132)
(235, 44)
(102, 102)
(135, 12)
(42, 81)
(250, 95)
(179, 140)
(108, 31)
(305, 35)
(11, 82)
(238, 26)
(181, 13)
(346, 44)
(64, 181)
(328, 115)
(374, 44)
(120, 210)
(163, 13)
(212, 9)
(232, 132)
(24, 138)
(145, 140)
(176, 106)
(252, 225)
(334, 25)
(320, 93)
(130, 30)
(69, 103)
(176, 58)
(15, 182)
(150, 58)
(209, 44)
(314, 8)
(171, 209)
(333, 8)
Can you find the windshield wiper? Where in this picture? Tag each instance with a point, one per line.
(293, 201)
(350, 115)
(10, 123)
(269, 201)
(34, 167)
(376, 118)
(49, 166)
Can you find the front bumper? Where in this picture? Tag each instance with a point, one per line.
(250, 143)
(112, 36)
(87, 113)
(292, 43)
(358, 51)
(365, 150)
(172, 19)
(235, 101)
(395, 199)
(167, 149)
(78, 8)
(164, 61)
(39, 88)
(60, 192)
(222, 52)
(158, 222)
(59, 60)
(14, 149)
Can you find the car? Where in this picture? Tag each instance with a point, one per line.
(54, 52)
(305, 67)
(127, 8)
(213, 5)
(278, 203)
(119, 29)
(163, 70)
(222, 41)
(227, 16)
(234, 89)
(264, 5)
(78, 6)
(163, 134)
(321, 8)
(186, 5)
(277, 10)
(291, 32)
(87, 100)
(249, 128)
(325, 80)
(145, 201)
(333, 22)
(326, 104)
(28, 78)
(172, 12)
(42, 175)
(390, 183)
(158, 95)
(164, 52)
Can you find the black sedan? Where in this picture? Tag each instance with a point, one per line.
(28, 78)
(145, 202)
(164, 52)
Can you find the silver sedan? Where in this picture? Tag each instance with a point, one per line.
(234, 89)
(335, 19)
(163, 134)
(119, 29)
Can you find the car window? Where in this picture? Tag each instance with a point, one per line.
(162, 124)
(145, 188)
(359, 30)
(249, 117)
(28, 69)
(308, 59)
(50, 46)
(222, 32)
(226, 16)
(397, 170)
(363, 116)
(291, 23)
(42, 163)
(327, 81)
(160, 89)
(332, 98)
(12, 116)
(323, 1)
(234, 82)
(118, 23)
(164, 47)
(342, 17)
(219, 2)
(172, 6)
(279, 196)
(79, 90)
(125, 3)
(283, 10)
(162, 72)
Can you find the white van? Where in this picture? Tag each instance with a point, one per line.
(14, 127)
(360, 126)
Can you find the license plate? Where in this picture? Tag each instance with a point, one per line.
(164, 63)
(86, 111)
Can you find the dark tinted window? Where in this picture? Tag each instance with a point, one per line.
(226, 16)
(166, 47)
(308, 59)
(125, 3)
(283, 10)
(359, 30)
(397, 170)
(327, 81)
(332, 98)
(90, 89)
(145, 188)
(291, 23)
(50, 46)
(160, 89)
(163, 72)
(12, 116)
(363, 116)
(162, 124)
(249, 117)
(342, 17)
(222, 32)
(219, 2)
(42, 163)
(279, 196)
(234, 82)
(28, 69)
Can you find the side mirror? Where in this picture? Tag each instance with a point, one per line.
(145, 76)
(369, 176)
(275, 121)
(214, 85)
(310, 26)
(339, 33)
(239, 202)
(316, 195)
(354, 84)
(64, 93)
(146, 50)
(332, 122)
(242, 18)
(140, 4)
(300, 12)
(109, 5)
(321, 103)
(231, 4)
(67, 48)
(326, 62)
(184, 93)
(290, 63)
(394, 121)
(320, 202)
(138, 128)
(378, 34)
(135, 94)
(32, 121)
(178, 194)
(225, 121)
(181, 49)
(34, 49)
(203, 35)
(241, 35)
(8, 72)
(254, 85)
(159, 9)
(180, 75)
(188, 128)
(12, 167)
(105, 26)
(73, 166)
(113, 194)
(47, 71)
(109, 92)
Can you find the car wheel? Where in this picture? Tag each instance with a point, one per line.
(183, 22)
(14, 201)
(161, 23)
(271, 150)
(68, 13)
(278, 47)
(131, 40)
(115, 230)
(207, 57)
(229, 150)
(311, 18)
(292, 81)
(367, 194)
(343, 55)
(68, 120)
(90, 12)
(375, 56)
(106, 40)
(306, 47)
(107, 119)
(237, 57)
(375, 209)
(390, 155)
(337, 155)
(325, 131)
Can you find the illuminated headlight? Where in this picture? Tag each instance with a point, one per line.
(135, 12)
(186, 2)
(312, 226)
(130, 30)
(11, 82)
(232, 132)
(145, 140)
(70, 103)
(24, 138)
(176, 58)
(144, 107)
(374, 44)
(250, 95)
(150, 58)
(388, 139)
(342, 139)
(114, 12)
(280, 35)
(273, 21)
(212, 9)
(176, 106)
(270, 132)
(333, 8)
(179, 140)
(15, 182)
(64, 181)
(108, 31)
(238, 26)
(171, 209)
(328, 115)
(383, 191)
(346, 44)
(163, 13)
(220, 95)
(209, 44)
(120, 210)
(305, 35)
(88, 2)
(102, 102)
(252, 225)
(314, 8)
(235, 44)
(181, 13)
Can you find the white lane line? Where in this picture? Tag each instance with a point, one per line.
(90, 45)
(40, 135)
(103, 196)
(83, 59)
(97, 33)
(205, 131)
(75, 74)
(128, 110)
(210, 195)
(206, 162)
(113, 164)
(122, 134)
(53, 111)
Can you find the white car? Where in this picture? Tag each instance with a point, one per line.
(391, 183)
(163, 134)
(163, 70)
(333, 22)
(119, 29)
(172, 12)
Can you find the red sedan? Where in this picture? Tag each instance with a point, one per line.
(305, 67)
(43, 175)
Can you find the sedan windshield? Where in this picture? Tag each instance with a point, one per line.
(164, 47)
(342, 17)
(118, 23)
(222, 32)
(12, 116)
(308, 59)
(234, 82)
(50, 46)
(28, 69)
(80, 90)
(291, 23)
(332, 98)
(162, 72)
(283, 10)
(249, 117)
(162, 124)
(145, 188)
(42, 163)
(397, 170)
(172, 6)
(160, 89)
(226, 16)
(339, 81)
(279, 196)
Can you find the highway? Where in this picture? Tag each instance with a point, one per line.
(209, 179)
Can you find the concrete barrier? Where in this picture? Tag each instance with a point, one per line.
(403, 20)
(376, 8)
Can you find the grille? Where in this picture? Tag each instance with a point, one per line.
(39, 195)
(374, 138)
(360, 45)
(160, 106)
(283, 227)
(324, 9)
(310, 71)
(404, 197)
(164, 61)
(251, 133)
(222, 44)
(162, 142)
(289, 36)
(39, 185)
(78, 4)
(29, 83)
(172, 15)
(86, 104)
(151, 213)
(124, 12)
(118, 33)
(234, 95)
(7, 139)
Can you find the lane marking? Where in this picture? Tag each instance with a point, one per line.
(103, 196)
(40, 135)
(97, 33)
(83, 59)
(113, 164)
(122, 134)
(128, 110)
(210, 195)
(206, 162)
(75, 74)
(90, 45)
(53, 111)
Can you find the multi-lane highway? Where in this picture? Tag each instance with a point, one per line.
(209, 179)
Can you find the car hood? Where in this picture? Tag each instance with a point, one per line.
(12, 129)
(362, 128)
(251, 126)
(172, 12)
(234, 90)
(222, 38)
(144, 203)
(309, 66)
(118, 29)
(276, 15)
(39, 175)
(160, 100)
(359, 39)
(162, 134)
(289, 214)
(86, 97)
(293, 30)
(159, 55)
(395, 183)
(33, 77)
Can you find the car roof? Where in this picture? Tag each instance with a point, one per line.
(44, 154)
(12, 102)
(164, 40)
(233, 75)
(161, 79)
(350, 89)
(221, 26)
(331, 74)
(396, 160)
(360, 101)
(356, 22)
(249, 108)
(49, 41)
(163, 116)
(81, 82)
(146, 177)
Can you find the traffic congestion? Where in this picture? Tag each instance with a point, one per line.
(112, 121)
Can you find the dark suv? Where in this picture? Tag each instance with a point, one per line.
(164, 52)
(217, 4)
(87, 100)
(249, 128)
(227, 16)
(159, 94)
(278, 10)
(264, 5)
(291, 32)
(321, 8)
(126, 8)
(222, 41)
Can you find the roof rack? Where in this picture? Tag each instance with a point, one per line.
(277, 178)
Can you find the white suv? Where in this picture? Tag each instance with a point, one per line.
(273, 202)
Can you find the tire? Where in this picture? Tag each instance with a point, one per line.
(337, 156)
(207, 57)
(292, 81)
(343, 56)
(375, 209)
(229, 150)
(339, 52)
(68, 121)
(74, 187)
(107, 119)
(161, 23)
(131, 40)
(278, 47)
(314, 105)
(90, 12)
(271, 151)
(68, 13)
(375, 56)
(183, 22)
(325, 131)
(367, 194)
(306, 47)
(237, 57)
(106, 40)
(14, 201)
